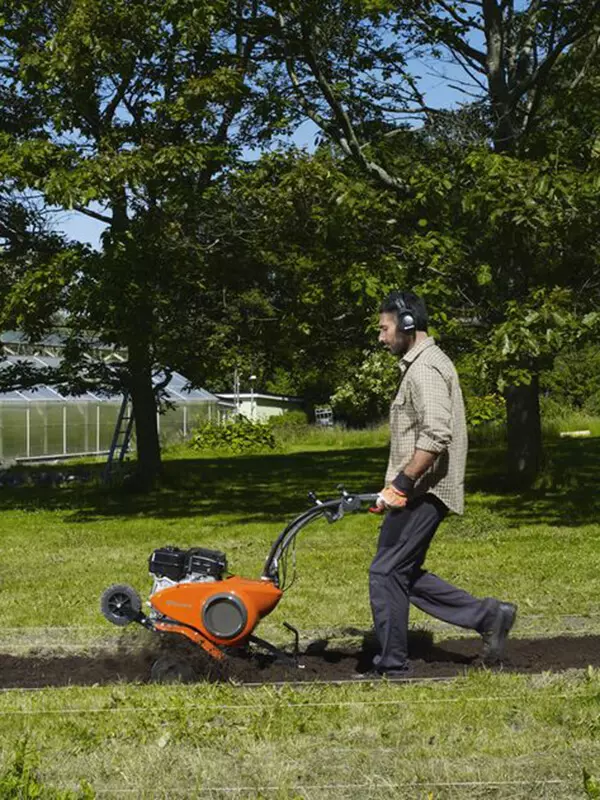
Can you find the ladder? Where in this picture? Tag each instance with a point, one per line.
(121, 438)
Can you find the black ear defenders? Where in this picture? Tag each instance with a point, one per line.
(406, 321)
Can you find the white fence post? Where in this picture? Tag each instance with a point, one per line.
(86, 432)
(64, 416)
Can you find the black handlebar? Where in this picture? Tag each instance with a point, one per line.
(332, 510)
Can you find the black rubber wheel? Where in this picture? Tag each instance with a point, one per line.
(171, 669)
(120, 604)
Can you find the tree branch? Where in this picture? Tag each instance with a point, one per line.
(118, 97)
(473, 55)
(344, 132)
(540, 74)
(587, 63)
(466, 66)
(93, 214)
(468, 23)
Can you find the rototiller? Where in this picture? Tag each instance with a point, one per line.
(192, 594)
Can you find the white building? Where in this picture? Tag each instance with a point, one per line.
(259, 406)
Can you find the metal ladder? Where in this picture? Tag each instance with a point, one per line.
(121, 438)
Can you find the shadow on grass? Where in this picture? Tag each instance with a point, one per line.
(253, 487)
(565, 493)
(274, 486)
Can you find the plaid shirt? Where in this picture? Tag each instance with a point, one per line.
(428, 414)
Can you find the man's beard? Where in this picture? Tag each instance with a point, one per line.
(400, 346)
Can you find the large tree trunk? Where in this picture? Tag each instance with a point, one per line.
(524, 430)
(144, 409)
(140, 385)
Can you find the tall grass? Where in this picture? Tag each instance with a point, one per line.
(334, 437)
(570, 421)
(554, 423)
(294, 438)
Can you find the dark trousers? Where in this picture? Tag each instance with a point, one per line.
(396, 579)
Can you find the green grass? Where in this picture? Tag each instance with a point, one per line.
(481, 736)
(60, 547)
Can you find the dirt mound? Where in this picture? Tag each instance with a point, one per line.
(321, 661)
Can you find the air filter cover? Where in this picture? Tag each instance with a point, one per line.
(224, 615)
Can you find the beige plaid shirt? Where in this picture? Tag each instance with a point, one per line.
(428, 413)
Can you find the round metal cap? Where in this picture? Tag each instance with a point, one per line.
(224, 615)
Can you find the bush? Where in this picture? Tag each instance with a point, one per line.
(574, 380)
(490, 408)
(592, 405)
(239, 435)
(552, 410)
(289, 419)
(364, 398)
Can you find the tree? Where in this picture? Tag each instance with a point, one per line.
(141, 108)
(319, 241)
(350, 69)
(32, 255)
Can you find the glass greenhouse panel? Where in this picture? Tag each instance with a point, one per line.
(37, 429)
(13, 430)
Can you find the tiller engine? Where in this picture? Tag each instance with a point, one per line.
(192, 594)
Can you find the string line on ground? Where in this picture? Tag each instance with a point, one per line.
(263, 707)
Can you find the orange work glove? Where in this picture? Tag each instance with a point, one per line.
(391, 498)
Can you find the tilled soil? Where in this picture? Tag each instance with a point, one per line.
(322, 662)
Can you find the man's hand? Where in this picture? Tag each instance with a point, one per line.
(394, 496)
(391, 498)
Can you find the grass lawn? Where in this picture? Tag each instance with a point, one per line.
(489, 734)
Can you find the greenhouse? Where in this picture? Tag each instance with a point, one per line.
(42, 422)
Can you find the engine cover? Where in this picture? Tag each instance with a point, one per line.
(206, 563)
(224, 612)
(168, 562)
(178, 565)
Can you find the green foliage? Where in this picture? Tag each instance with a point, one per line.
(592, 404)
(21, 780)
(535, 329)
(289, 419)
(365, 396)
(480, 410)
(133, 121)
(574, 380)
(137, 113)
(591, 785)
(321, 242)
(239, 435)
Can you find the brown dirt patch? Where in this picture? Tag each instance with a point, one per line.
(322, 662)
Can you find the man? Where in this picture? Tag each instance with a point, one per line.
(424, 481)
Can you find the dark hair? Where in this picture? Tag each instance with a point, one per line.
(412, 302)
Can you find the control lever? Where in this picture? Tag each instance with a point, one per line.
(314, 499)
(296, 643)
(349, 502)
(375, 509)
(330, 516)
